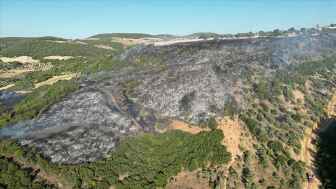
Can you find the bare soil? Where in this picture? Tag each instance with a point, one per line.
(185, 127)
(20, 59)
(298, 95)
(54, 79)
(58, 57)
(7, 87)
(29, 65)
(232, 133)
(331, 107)
(104, 47)
(130, 41)
(188, 180)
(307, 155)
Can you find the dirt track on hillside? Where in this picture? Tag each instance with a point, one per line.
(308, 151)
(307, 155)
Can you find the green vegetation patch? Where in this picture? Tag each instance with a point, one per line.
(14, 176)
(146, 161)
(39, 48)
(37, 101)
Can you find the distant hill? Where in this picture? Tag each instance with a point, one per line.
(46, 46)
(205, 35)
(122, 35)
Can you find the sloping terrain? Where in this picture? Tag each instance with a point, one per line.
(115, 121)
(212, 73)
(189, 87)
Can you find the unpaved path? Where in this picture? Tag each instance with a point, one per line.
(308, 151)
(54, 79)
(307, 155)
(7, 87)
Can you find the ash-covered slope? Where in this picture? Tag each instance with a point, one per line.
(188, 81)
(202, 77)
(83, 127)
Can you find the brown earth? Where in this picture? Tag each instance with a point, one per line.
(331, 107)
(188, 180)
(298, 95)
(185, 127)
(232, 132)
(234, 140)
(134, 41)
(307, 155)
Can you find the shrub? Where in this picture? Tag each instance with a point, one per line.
(212, 123)
(14, 176)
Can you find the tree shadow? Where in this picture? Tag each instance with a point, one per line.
(325, 156)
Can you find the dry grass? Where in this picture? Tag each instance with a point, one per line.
(54, 79)
(130, 41)
(236, 141)
(104, 47)
(7, 87)
(58, 57)
(29, 65)
(188, 180)
(232, 135)
(331, 107)
(20, 59)
(185, 127)
(176, 41)
(298, 96)
(13, 73)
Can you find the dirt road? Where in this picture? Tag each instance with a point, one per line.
(307, 155)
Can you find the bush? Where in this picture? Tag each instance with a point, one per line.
(255, 128)
(212, 123)
(13, 176)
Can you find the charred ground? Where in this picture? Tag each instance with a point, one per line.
(194, 82)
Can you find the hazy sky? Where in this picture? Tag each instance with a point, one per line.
(82, 18)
